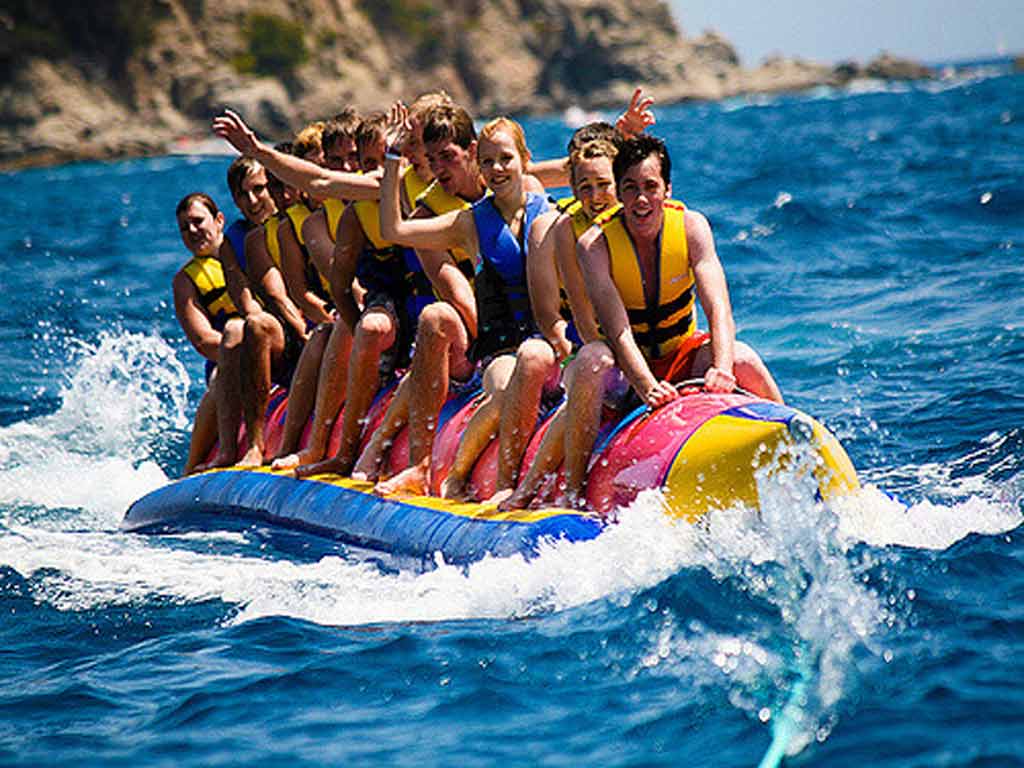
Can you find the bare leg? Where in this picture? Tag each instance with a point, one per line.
(264, 342)
(441, 336)
(330, 394)
(750, 371)
(395, 417)
(549, 455)
(375, 332)
(302, 392)
(535, 364)
(204, 429)
(228, 394)
(481, 429)
(587, 384)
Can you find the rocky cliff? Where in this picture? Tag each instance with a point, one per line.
(103, 78)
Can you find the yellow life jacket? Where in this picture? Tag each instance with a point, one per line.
(334, 209)
(661, 327)
(563, 204)
(368, 213)
(273, 245)
(298, 213)
(414, 185)
(437, 201)
(207, 275)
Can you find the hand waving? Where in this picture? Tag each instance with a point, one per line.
(637, 117)
(230, 127)
(398, 128)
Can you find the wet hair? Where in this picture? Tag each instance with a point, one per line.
(449, 122)
(239, 170)
(636, 150)
(425, 102)
(196, 197)
(342, 126)
(371, 129)
(511, 127)
(309, 139)
(592, 132)
(590, 150)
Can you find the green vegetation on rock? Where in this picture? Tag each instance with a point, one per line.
(274, 46)
(105, 32)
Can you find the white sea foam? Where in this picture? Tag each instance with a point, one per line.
(121, 394)
(792, 553)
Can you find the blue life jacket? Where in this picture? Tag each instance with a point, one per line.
(504, 318)
(235, 234)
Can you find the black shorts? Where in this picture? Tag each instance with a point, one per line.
(399, 354)
(282, 370)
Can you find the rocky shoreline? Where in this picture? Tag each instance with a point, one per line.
(192, 59)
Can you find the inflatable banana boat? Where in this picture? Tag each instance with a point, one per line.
(704, 451)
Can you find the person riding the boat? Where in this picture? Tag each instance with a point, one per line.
(535, 382)
(571, 431)
(332, 383)
(307, 286)
(382, 323)
(281, 251)
(496, 228)
(202, 306)
(642, 265)
(317, 235)
(445, 327)
(318, 232)
(272, 341)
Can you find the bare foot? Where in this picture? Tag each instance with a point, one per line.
(299, 459)
(368, 466)
(217, 462)
(518, 499)
(498, 498)
(338, 465)
(455, 487)
(252, 458)
(412, 481)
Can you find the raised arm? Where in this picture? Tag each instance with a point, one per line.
(595, 263)
(713, 292)
(550, 173)
(455, 229)
(564, 245)
(193, 320)
(316, 180)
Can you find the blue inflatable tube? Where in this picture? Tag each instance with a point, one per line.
(345, 510)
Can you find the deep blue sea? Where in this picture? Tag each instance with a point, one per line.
(873, 241)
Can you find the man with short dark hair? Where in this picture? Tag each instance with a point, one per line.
(644, 265)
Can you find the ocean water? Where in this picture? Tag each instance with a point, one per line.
(874, 244)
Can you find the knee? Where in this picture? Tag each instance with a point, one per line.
(437, 321)
(374, 328)
(257, 325)
(535, 357)
(595, 358)
(233, 333)
(745, 358)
